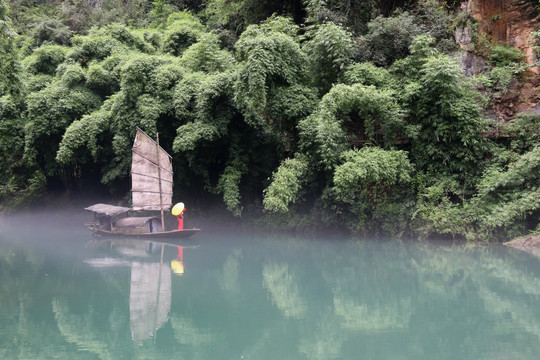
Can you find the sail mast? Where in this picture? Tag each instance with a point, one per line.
(160, 189)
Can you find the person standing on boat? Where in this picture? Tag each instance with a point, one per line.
(178, 211)
(181, 219)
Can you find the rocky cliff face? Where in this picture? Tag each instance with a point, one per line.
(505, 22)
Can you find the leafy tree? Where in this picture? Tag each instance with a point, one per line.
(12, 177)
(370, 173)
(504, 55)
(160, 12)
(345, 114)
(263, 109)
(101, 43)
(388, 38)
(270, 58)
(50, 31)
(202, 102)
(102, 80)
(83, 15)
(88, 48)
(11, 147)
(207, 56)
(373, 184)
(10, 68)
(506, 203)
(46, 59)
(442, 209)
(509, 197)
(437, 20)
(217, 143)
(363, 109)
(524, 131)
(50, 112)
(237, 15)
(229, 185)
(444, 122)
(286, 185)
(330, 49)
(407, 71)
(340, 12)
(182, 31)
(368, 74)
(82, 138)
(139, 87)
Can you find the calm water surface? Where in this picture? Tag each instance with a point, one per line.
(65, 295)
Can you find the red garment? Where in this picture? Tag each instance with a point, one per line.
(181, 220)
(180, 223)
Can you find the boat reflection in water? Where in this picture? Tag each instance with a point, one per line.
(150, 282)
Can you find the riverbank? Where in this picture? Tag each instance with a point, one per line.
(530, 244)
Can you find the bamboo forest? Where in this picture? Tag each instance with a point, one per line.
(381, 119)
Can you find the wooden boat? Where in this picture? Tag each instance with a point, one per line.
(151, 191)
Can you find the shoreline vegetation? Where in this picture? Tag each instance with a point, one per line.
(301, 116)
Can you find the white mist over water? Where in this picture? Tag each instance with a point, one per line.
(66, 294)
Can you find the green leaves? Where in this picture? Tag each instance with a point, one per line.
(371, 174)
(388, 38)
(50, 112)
(268, 59)
(81, 138)
(182, 31)
(366, 109)
(10, 67)
(207, 56)
(367, 74)
(191, 134)
(371, 189)
(229, 185)
(45, 59)
(137, 74)
(504, 55)
(287, 182)
(201, 100)
(278, 113)
(329, 48)
(506, 196)
(446, 120)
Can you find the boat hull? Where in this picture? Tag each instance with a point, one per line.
(173, 234)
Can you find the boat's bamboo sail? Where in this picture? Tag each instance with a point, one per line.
(151, 175)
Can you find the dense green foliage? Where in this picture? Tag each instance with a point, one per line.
(9, 64)
(364, 123)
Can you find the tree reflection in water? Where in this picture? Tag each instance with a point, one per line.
(269, 297)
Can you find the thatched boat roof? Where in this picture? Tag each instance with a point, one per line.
(108, 210)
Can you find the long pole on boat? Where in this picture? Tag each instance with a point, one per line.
(159, 177)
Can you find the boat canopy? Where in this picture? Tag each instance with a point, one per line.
(137, 225)
(107, 210)
(151, 175)
(134, 221)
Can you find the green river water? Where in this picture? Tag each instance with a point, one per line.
(66, 295)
